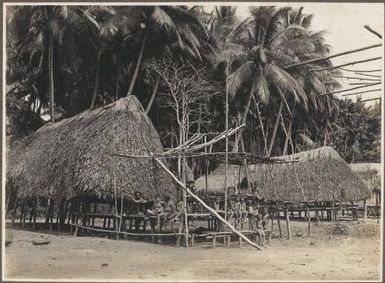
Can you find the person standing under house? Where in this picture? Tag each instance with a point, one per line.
(250, 214)
(237, 212)
(260, 229)
(243, 211)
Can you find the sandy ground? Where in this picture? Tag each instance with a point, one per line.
(354, 255)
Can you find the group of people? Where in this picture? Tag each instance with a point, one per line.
(239, 209)
(164, 210)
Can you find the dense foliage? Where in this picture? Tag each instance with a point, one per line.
(62, 60)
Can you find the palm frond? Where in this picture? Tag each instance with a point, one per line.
(241, 76)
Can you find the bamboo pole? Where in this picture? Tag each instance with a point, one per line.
(332, 56)
(371, 99)
(361, 92)
(368, 75)
(373, 31)
(362, 71)
(208, 207)
(226, 136)
(206, 170)
(357, 78)
(347, 64)
(287, 217)
(353, 88)
(362, 83)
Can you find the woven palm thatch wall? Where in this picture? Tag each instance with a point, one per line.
(71, 158)
(318, 174)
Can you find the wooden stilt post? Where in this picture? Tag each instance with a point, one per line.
(288, 224)
(308, 219)
(208, 207)
(277, 213)
(365, 211)
(34, 213)
(7, 203)
(22, 210)
(14, 210)
(51, 214)
(333, 216)
(25, 211)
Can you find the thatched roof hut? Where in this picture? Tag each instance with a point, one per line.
(370, 173)
(318, 174)
(73, 158)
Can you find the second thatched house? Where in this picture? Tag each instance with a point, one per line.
(74, 157)
(314, 175)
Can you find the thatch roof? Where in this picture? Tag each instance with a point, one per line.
(71, 158)
(370, 173)
(321, 172)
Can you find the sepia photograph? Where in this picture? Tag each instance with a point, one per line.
(192, 142)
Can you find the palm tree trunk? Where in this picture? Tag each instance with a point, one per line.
(288, 135)
(240, 133)
(117, 83)
(153, 95)
(50, 77)
(275, 129)
(136, 72)
(96, 84)
(262, 127)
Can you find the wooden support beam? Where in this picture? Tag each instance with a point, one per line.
(208, 207)
(347, 64)
(332, 56)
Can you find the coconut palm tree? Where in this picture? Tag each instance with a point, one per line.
(39, 31)
(256, 63)
(175, 21)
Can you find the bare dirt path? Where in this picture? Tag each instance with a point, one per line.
(329, 258)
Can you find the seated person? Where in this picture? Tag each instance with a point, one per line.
(157, 207)
(169, 208)
(139, 202)
(178, 212)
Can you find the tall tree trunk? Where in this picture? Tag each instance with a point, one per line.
(117, 84)
(50, 77)
(96, 84)
(275, 129)
(326, 133)
(262, 127)
(240, 133)
(136, 72)
(153, 95)
(288, 135)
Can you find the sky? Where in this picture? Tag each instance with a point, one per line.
(344, 24)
